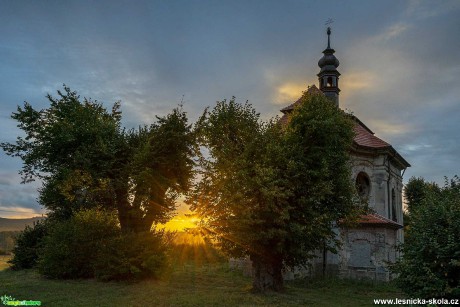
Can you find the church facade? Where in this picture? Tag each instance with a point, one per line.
(377, 170)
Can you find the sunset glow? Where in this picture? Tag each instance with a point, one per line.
(180, 223)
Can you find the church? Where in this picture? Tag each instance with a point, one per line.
(377, 170)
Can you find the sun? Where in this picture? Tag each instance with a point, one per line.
(180, 223)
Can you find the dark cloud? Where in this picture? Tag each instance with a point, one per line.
(398, 62)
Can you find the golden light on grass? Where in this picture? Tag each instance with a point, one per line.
(189, 243)
(191, 248)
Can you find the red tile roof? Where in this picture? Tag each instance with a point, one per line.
(375, 219)
(365, 137)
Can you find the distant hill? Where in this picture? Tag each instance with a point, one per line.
(17, 224)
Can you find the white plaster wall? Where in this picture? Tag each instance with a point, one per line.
(384, 176)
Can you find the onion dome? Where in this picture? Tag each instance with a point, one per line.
(328, 62)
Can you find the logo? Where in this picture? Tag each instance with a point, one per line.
(8, 300)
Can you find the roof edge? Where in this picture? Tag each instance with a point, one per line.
(378, 220)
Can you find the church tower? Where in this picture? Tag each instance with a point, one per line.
(329, 76)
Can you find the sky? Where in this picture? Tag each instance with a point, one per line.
(399, 65)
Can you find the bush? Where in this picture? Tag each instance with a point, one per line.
(132, 256)
(71, 247)
(28, 244)
(91, 244)
(430, 265)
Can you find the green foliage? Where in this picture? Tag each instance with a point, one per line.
(74, 147)
(28, 244)
(270, 191)
(132, 256)
(416, 190)
(160, 168)
(318, 140)
(85, 160)
(91, 244)
(71, 247)
(430, 266)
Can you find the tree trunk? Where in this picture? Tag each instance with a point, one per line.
(122, 206)
(267, 274)
(134, 219)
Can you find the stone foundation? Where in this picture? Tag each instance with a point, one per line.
(365, 253)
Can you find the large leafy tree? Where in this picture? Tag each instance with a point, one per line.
(430, 265)
(86, 159)
(416, 190)
(273, 192)
(159, 169)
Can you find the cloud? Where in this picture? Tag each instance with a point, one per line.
(389, 128)
(428, 9)
(19, 212)
(354, 81)
(409, 95)
(18, 199)
(8, 179)
(288, 93)
(391, 32)
(415, 147)
(398, 63)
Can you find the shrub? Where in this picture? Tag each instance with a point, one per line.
(133, 256)
(91, 244)
(430, 265)
(28, 244)
(71, 247)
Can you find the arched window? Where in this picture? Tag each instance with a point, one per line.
(363, 185)
(329, 82)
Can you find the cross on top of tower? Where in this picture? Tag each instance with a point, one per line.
(328, 75)
(328, 23)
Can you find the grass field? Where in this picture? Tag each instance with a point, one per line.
(187, 285)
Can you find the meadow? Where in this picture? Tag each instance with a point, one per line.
(188, 284)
